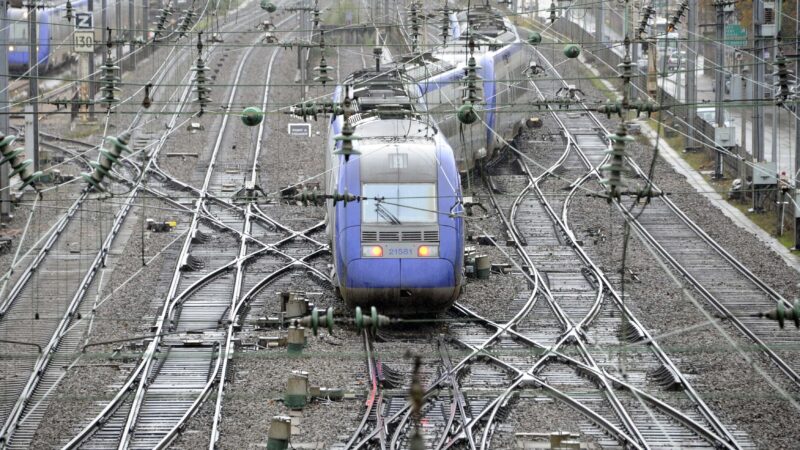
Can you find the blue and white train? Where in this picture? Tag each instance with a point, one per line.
(503, 59)
(54, 33)
(401, 247)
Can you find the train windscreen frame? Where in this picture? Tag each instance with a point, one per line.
(398, 203)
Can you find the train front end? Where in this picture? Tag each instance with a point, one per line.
(401, 248)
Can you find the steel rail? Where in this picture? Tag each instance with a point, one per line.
(458, 405)
(704, 409)
(564, 358)
(64, 219)
(570, 328)
(374, 400)
(228, 348)
(43, 361)
(148, 357)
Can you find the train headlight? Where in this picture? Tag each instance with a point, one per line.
(427, 251)
(372, 251)
(11, 48)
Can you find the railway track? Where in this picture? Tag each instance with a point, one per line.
(574, 319)
(61, 338)
(209, 293)
(590, 305)
(686, 247)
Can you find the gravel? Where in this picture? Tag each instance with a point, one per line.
(732, 384)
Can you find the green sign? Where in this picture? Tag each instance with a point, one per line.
(735, 35)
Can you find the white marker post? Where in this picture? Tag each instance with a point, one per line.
(83, 44)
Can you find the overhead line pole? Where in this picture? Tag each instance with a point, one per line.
(32, 133)
(719, 80)
(691, 74)
(5, 194)
(92, 82)
(758, 83)
(797, 131)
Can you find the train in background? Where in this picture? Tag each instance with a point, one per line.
(54, 33)
(401, 247)
(503, 61)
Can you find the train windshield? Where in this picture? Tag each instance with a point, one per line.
(398, 203)
(18, 32)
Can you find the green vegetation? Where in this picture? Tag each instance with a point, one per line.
(336, 15)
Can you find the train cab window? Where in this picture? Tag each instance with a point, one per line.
(18, 32)
(389, 203)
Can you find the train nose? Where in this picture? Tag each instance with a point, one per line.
(401, 286)
(408, 273)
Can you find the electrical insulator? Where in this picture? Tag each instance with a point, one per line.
(610, 108)
(346, 138)
(645, 106)
(16, 158)
(780, 314)
(781, 74)
(472, 89)
(107, 158)
(445, 23)
(307, 197)
(344, 197)
(647, 13)
(200, 80)
(70, 14)
(305, 110)
(626, 68)
(553, 16)
(322, 70)
(186, 22)
(414, 20)
(616, 165)
(676, 19)
(315, 15)
(147, 101)
(109, 81)
(162, 19)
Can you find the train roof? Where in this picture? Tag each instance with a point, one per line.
(486, 24)
(383, 95)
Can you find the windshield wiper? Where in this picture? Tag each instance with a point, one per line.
(383, 212)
